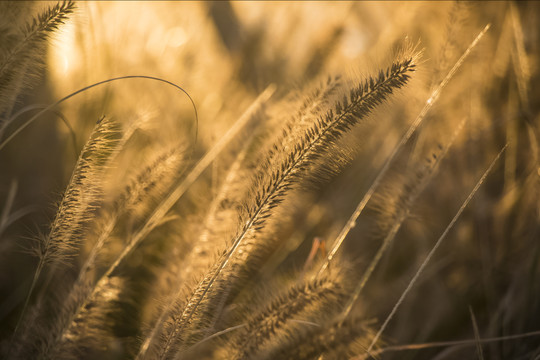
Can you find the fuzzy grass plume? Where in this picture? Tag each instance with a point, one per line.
(295, 219)
(20, 55)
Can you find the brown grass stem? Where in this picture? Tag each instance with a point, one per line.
(326, 130)
(436, 344)
(69, 96)
(435, 247)
(351, 223)
(402, 216)
(170, 200)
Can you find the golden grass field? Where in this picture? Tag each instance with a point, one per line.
(269, 180)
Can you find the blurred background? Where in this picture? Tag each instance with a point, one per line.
(224, 54)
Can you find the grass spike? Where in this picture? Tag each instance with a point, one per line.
(419, 119)
(80, 197)
(19, 61)
(324, 132)
(272, 318)
(319, 340)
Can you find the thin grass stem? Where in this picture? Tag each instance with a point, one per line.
(67, 97)
(351, 223)
(435, 247)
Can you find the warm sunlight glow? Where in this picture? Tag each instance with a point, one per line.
(64, 56)
(176, 36)
(260, 180)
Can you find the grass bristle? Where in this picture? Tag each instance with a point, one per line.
(272, 180)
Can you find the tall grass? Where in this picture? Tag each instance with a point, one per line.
(309, 193)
